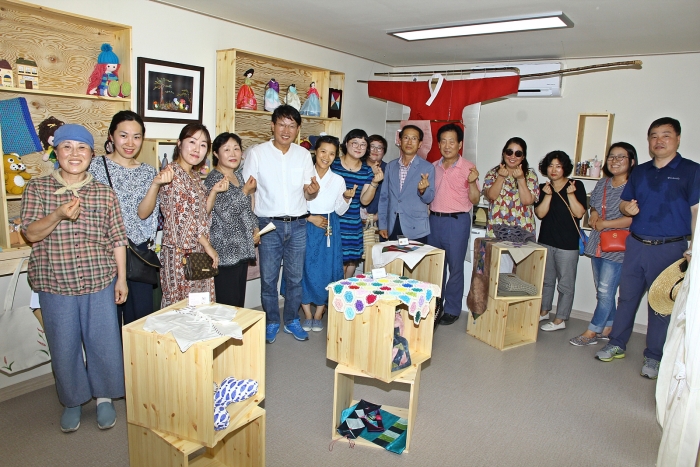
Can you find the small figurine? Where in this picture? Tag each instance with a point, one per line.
(6, 79)
(272, 95)
(46, 130)
(15, 174)
(312, 104)
(27, 73)
(246, 96)
(595, 169)
(104, 80)
(292, 98)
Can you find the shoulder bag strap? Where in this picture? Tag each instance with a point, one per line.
(109, 179)
(12, 288)
(573, 218)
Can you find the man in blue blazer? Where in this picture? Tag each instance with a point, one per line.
(408, 190)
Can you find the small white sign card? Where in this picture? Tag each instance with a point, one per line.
(198, 298)
(378, 273)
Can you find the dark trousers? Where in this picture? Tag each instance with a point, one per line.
(139, 302)
(230, 284)
(397, 231)
(452, 235)
(642, 264)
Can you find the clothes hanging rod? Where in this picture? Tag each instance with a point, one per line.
(629, 63)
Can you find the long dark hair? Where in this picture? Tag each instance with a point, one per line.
(190, 130)
(520, 142)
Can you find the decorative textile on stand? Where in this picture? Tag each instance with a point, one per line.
(18, 133)
(354, 294)
(478, 296)
(392, 439)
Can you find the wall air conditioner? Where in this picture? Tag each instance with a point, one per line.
(546, 86)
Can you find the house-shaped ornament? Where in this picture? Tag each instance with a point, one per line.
(6, 79)
(27, 74)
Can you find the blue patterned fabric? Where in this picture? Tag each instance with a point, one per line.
(18, 133)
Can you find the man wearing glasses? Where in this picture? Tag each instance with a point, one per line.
(409, 182)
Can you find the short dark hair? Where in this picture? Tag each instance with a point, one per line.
(451, 127)
(563, 159)
(520, 142)
(353, 134)
(126, 116)
(328, 139)
(412, 127)
(665, 121)
(631, 155)
(379, 139)
(286, 111)
(189, 130)
(220, 141)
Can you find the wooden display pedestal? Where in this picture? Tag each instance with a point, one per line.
(343, 398)
(243, 446)
(173, 392)
(530, 270)
(365, 343)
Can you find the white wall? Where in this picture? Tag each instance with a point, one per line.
(666, 85)
(167, 33)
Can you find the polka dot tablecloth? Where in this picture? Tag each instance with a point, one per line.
(355, 294)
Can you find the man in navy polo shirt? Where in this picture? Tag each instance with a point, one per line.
(662, 197)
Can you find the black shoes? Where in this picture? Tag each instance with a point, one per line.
(448, 319)
(439, 312)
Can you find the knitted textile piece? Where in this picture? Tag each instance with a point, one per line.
(18, 133)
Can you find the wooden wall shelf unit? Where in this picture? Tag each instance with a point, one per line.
(65, 47)
(593, 138)
(253, 126)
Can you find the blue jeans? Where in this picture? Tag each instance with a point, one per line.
(72, 322)
(606, 276)
(287, 242)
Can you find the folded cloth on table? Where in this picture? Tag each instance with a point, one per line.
(512, 285)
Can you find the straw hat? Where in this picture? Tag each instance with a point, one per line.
(662, 293)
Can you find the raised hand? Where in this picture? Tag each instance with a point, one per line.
(313, 187)
(378, 174)
(503, 171)
(250, 186)
(350, 193)
(571, 187)
(547, 188)
(518, 172)
(424, 183)
(165, 176)
(632, 208)
(220, 186)
(473, 175)
(69, 211)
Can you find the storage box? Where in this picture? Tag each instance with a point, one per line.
(343, 398)
(172, 391)
(243, 446)
(507, 323)
(365, 342)
(530, 270)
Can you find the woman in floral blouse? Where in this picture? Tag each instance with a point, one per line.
(183, 203)
(511, 188)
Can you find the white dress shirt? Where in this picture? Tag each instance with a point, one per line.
(281, 179)
(330, 195)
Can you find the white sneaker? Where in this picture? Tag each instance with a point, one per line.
(553, 327)
(544, 317)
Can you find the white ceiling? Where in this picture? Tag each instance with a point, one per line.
(602, 28)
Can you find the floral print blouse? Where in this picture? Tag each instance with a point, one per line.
(507, 208)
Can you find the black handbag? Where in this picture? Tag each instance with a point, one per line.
(142, 265)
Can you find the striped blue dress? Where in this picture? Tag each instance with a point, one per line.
(350, 223)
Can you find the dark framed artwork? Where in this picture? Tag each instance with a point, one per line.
(335, 97)
(169, 92)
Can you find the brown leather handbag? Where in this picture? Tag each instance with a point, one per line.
(198, 266)
(612, 240)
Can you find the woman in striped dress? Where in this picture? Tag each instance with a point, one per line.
(365, 180)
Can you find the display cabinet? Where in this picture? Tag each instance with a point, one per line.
(593, 138)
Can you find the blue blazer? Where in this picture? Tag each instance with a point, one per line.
(411, 207)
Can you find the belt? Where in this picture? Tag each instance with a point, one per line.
(658, 242)
(446, 214)
(290, 218)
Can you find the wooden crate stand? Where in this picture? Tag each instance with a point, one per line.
(365, 343)
(429, 269)
(343, 398)
(243, 446)
(507, 323)
(173, 391)
(530, 269)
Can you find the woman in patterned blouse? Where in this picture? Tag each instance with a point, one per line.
(511, 188)
(234, 227)
(183, 203)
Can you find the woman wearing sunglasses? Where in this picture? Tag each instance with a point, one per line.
(511, 188)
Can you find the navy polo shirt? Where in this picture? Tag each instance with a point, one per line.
(664, 197)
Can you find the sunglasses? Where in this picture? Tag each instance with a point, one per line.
(509, 152)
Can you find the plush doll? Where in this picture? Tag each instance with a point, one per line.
(292, 98)
(15, 174)
(46, 130)
(246, 96)
(272, 95)
(312, 104)
(231, 390)
(104, 80)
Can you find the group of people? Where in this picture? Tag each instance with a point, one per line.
(83, 217)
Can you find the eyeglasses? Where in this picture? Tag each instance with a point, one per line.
(356, 145)
(618, 158)
(376, 148)
(510, 152)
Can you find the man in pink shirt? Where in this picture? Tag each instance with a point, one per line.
(456, 191)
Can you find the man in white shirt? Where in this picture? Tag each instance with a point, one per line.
(285, 181)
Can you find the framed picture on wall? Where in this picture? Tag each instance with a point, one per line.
(169, 92)
(335, 97)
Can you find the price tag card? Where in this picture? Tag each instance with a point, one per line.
(198, 298)
(378, 273)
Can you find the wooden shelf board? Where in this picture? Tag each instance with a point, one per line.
(513, 339)
(579, 177)
(9, 196)
(520, 298)
(304, 117)
(398, 411)
(71, 95)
